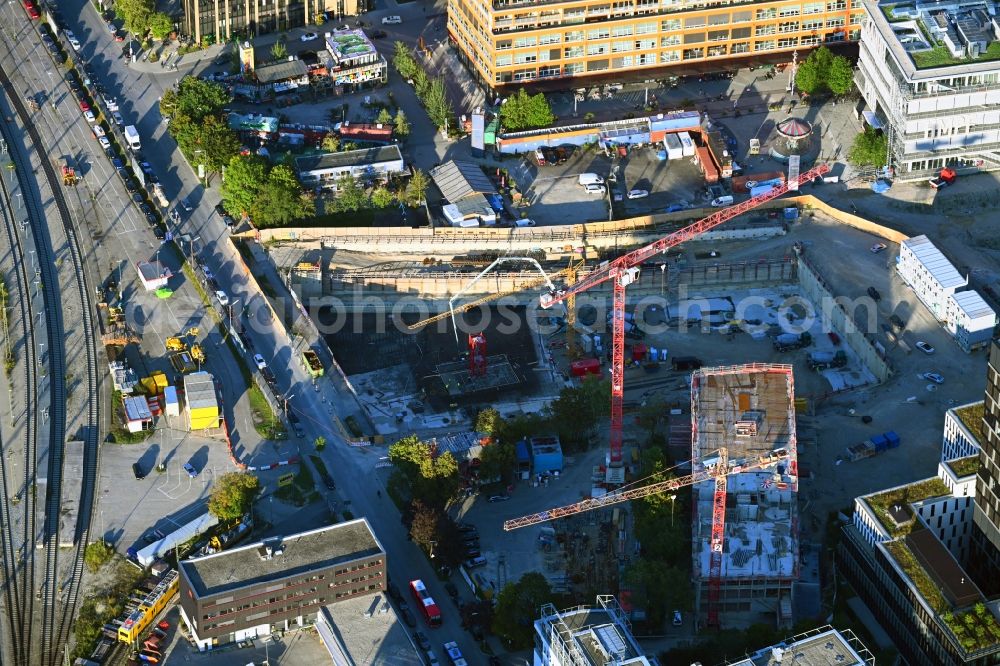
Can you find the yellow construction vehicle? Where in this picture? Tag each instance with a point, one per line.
(68, 173)
(197, 353)
(176, 345)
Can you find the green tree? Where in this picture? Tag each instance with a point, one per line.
(136, 14)
(416, 189)
(384, 117)
(232, 495)
(421, 84)
(197, 98)
(496, 461)
(657, 526)
(522, 111)
(517, 609)
(658, 588)
(278, 50)
(219, 143)
(168, 103)
(402, 125)
(489, 422)
(281, 200)
(98, 554)
(382, 198)
(331, 143)
(320, 443)
(351, 197)
(160, 25)
(436, 103)
(578, 410)
(432, 477)
(245, 176)
(813, 74)
(403, 61)
(840, 78)
(868, 149)
(424, 528)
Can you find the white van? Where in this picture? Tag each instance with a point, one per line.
(524, 223)
(391, 20)
(727, 200)
(589, 179)
(593, 188)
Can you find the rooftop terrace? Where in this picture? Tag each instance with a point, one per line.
(939, 34)
(884, 504)
(971, 417)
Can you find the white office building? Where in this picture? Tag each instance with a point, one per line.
(924, 74)
(599, 635)
(929, 274)
(960, 438)
(970, 320)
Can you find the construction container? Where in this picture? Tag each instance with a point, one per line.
(673, 145)
(171, 403)
(203, 406)
(687, 144)
(584, 367)
(707, 164)
(312, 364)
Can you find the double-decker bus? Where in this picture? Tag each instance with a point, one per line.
(429, 609)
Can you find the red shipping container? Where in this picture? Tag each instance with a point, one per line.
(707, 165)
(587, 366)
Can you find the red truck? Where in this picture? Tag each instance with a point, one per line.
(944, 178)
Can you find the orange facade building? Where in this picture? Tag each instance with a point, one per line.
(518, 41)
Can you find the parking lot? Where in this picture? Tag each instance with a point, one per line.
(678, 183)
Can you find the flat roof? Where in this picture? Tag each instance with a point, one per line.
(137, 409)
(935, 262)
(593, 633)
(199, 390)
(827, 648)
(307, 551)
(457, 180)
(972, 304)
(349, 158)
(727, 403)
(348, 44)
(252, 122)
(368, 629)
(281, 71)
(956, 586)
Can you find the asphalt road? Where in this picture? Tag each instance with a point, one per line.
(138, 93)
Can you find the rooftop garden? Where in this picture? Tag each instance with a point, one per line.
(927, 588)
(971, 417)
(964, 466)
(975, 629)
(914, 492)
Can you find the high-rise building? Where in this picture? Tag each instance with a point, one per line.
(929, 80)
(599, 635)
(985, 560)
(745, 573)
(221, 20)
(517, 41)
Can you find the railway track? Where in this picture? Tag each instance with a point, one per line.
(18, 593)
(56, 626)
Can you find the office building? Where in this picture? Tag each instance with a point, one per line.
(929, 79)
(507, 42)
(367, 165)
(279, 583)
(599, 635)
(749, 411)
(985, 560)
(970, 320)
(822, 646)
(354, 61)
(222, 20)
(929, 274)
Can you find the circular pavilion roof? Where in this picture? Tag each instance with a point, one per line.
(794, 128)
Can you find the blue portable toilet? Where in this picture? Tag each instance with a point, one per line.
(892, 438)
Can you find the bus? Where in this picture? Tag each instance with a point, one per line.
(429, 609)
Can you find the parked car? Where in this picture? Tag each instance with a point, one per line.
(465, 527)
(924, 347)
(138, 472)
(186, 205)
(105, 142)
(451, 590)
(638, 194)
(933, 377)
(422, 640)
(875, 296)
(89, 115)
(308, 37)
(222, 298)
(393, 591)
(73, 41)
(408, 618)
(259, 361)
(189, 468)
(117, 117)
(878, 247)
(499, 498)
(594, 188)
(475, 562)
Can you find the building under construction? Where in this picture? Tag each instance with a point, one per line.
(745, 531)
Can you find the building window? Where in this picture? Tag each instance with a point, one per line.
(787, 42)
(645, 28)
(766, 45)
(524, 58)
(762, 30)
(501, 61)
(621, 47)
(694, 22)
(672, 40)
(597, 49)
(739, 47)
(520, 43)
(788, 26)
(600, 33)
(574, 36)
(765, 14)
(554, 38)
(835, 23)
(669, 56)
(670, 25)
(790, 10)
(813, 8)
(624, 61)
(812, 24)
(621, 31)
(694, 54)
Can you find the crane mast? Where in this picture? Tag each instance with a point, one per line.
(623, 271)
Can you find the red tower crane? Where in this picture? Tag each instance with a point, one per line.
(623, 271)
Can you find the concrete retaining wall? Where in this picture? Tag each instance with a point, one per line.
(836, 317)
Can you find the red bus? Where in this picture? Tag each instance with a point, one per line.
(425, 603)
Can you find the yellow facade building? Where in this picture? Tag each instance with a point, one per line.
(516, 41)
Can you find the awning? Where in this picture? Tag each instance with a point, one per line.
(872, 120)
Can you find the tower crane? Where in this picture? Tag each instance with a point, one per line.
(623, 271)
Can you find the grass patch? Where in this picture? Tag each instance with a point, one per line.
(964, 466)
(265, 422)
(975, 629)
(193, 279)
(104, 606)
(917, 574)
(301, 491)
(97, 554)
(915, 492)
(940, 56)
(971, 417)
(123, 436)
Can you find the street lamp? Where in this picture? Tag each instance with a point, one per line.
(191, 242)
(201, 165)
(231, 306)
(671, 498)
